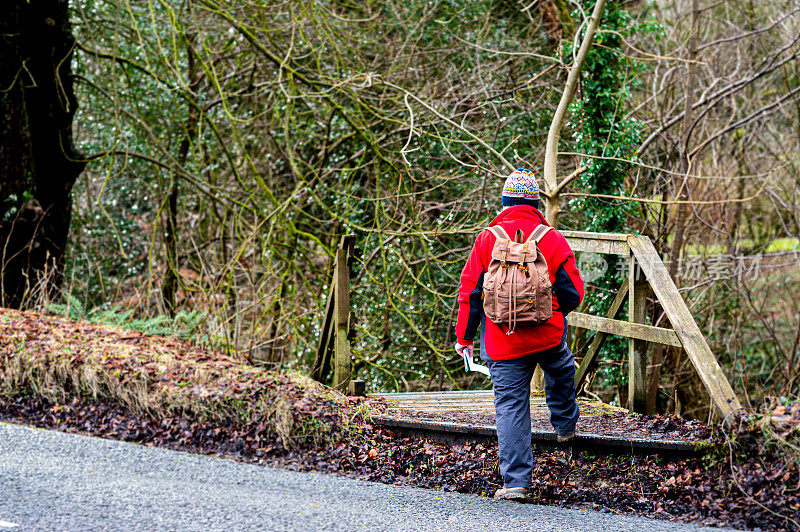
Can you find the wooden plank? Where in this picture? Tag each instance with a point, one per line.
(444, 431)
(586, 235)
(433, 396)
(597, 245)
(322, 362)
(637, 349)
(436, 393)
(683, 323)
(448, 406)
(627, 329)
(409, 404)
(487, 407)
(327, 366)
(599, 338)
(430, 410)
(455, 400)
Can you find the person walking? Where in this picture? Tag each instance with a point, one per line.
(527, 291)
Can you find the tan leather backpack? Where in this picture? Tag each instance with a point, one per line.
(516, 287)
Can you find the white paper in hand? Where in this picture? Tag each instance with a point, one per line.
(469, 365)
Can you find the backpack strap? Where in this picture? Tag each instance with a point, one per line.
(499, 232)
(538, 233)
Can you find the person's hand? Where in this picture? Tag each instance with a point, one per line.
(465, 351)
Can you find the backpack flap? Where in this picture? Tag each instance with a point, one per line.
(517, 287)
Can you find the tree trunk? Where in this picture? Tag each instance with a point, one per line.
(552, 188)
(556, 18)
(38, 162)
(169, 288)
(551, 149)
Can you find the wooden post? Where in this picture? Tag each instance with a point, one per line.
(342, 362)
(637, 349)
(537, 381)
(322, 363)
(337, 325)
(357, 387)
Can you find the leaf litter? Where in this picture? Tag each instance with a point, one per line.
(214, 405)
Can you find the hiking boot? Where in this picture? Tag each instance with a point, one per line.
(560, 438)
(512, 494)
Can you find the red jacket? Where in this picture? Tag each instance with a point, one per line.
(564, 274)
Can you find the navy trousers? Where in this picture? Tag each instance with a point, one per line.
(512, 403)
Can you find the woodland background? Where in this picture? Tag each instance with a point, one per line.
(189, 167)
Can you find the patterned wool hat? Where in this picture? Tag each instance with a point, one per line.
(521, 188)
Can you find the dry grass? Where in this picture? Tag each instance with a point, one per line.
(58, 359)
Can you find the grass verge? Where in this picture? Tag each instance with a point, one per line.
(59, 360)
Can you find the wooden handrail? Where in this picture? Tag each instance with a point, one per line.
(605, 243)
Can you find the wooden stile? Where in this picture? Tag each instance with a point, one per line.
(684, 325)
(646, 271)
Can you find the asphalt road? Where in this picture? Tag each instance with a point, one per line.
(55, 481)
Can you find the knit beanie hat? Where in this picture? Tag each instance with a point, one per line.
(521, 188)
